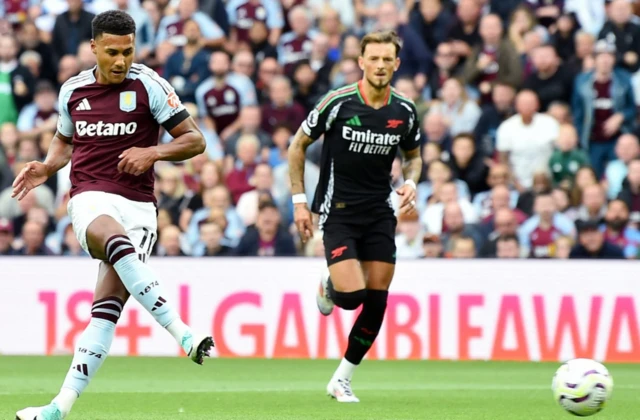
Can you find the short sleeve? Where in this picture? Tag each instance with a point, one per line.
(208, 27)
(275, 19)
(200, 93)
(503, 142)
(166, 107)
(65, 124)
(315, 124)
(411, 140)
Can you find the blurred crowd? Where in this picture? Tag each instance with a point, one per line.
(528, 113)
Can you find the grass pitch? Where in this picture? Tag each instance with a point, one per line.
(226, 389)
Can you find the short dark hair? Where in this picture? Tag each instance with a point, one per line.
(508, 238)
(114, 22)
(464, 136)
(267, 205)
(382, 37)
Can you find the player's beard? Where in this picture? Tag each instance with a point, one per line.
(379, 84)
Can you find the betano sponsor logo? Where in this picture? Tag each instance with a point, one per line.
(101, 128)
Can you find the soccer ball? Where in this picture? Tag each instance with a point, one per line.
(582, 386)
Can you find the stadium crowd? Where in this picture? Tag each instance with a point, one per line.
(528, 113)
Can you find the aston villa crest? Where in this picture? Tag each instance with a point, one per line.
(128, 101)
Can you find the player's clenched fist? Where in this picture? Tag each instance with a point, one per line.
(137, 160)
(407, 195)
(302, 219)
(33, 174)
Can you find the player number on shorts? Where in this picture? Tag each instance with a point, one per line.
(147, 233)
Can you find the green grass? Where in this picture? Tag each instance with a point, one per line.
(225, 389)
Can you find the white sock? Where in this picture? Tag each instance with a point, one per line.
(65, 400)
(345, 370)
(182, 334)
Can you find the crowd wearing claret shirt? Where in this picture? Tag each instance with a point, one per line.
(528, 113)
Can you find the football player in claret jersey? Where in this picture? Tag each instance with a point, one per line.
(108, 127)
(363, 125)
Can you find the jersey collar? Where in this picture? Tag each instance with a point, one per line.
(387, 98)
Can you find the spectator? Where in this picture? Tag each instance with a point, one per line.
(468, 165)
(447, 64)
(262, 181)
(319, 60)
(466, 30)
(431, 20)
(602, 119)
(41, 115)
(567, 158)
(237, 179)
(70, 245)
(562, 247)
(259, 45)
(550, 81)
(217, 206)
(493, 114)
(266, 238)
(211, 235)
(618, 231)
(432, 246)
(460, 114)
(627, 149)
(414, 55)
(6, 237)
(498, 176)
(71, 28)
(463, 247)
(584, 177)
(222, 96)
(187, 67)
(33, 234)
(625, 34)
(432, 218)
(591, 243)
(434, 126)
(169, 242)
(16, 82)
(561, 112)
(494, 60)
(630, 193)
(505, 224)
(541, 185)
(210, 176)
(583, 60)
(562, 199)
(525, 141)
(296, 45)
(507, 246)
(243, 14)
(409, 238)
(173, 193)
(281, 106)
(521, 22)
(454, 226)
(438, 174)
(172, 26)
(539, 233)
(594, 205)
(29, 38)
(307, 89)
(250, 122)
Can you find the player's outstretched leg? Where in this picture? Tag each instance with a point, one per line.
(365, 329)
(108, 238)
(91, 351)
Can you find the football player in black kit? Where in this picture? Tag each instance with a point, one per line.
(363, 125)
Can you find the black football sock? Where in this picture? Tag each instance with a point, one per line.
(346, 300)
(365, 330)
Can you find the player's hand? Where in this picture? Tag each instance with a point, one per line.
(33, 174)
(137, 160)
(302, 219)
(407, 195)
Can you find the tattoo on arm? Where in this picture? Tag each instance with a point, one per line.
(412, 165)
(297, 157)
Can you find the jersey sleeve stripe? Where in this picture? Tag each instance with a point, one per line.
(334, 95)
(140, 70)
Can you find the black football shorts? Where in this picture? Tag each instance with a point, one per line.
(373, 241)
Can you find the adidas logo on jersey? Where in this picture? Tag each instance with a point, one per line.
(83, 105)
(83, 128)
(354, 121)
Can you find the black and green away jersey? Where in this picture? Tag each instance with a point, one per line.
(360, 144)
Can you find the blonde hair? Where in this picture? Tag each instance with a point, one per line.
(381, 37)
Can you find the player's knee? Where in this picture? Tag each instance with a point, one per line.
(99, 232)
(376, 301)
(349, 300)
